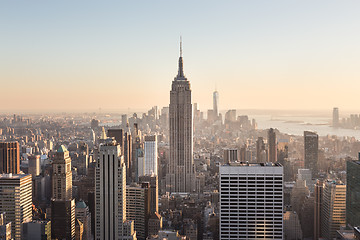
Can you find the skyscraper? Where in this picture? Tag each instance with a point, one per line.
(62, 203)
(110, 192)
(16, 200)
(272, 145)
(353, 193)
(138, 207)
(9, 157)
(311, 148)
(154, 191)
(181, 172)
(335, 122)
(151, 155)
(251, 201)
(318, 194)
(34, 165)
(216, 105)
(333, 209)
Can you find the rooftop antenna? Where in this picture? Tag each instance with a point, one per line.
(180, 46)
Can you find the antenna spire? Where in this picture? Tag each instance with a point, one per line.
(180, 46)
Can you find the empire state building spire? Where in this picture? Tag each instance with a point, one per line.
(180, 75)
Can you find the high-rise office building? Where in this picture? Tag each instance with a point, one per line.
(16, 200)
(62, 203)
(5, 228)
(118, 135)
(37, 229)
(9, 157)
(260, 150)
(335, 122)
(251, 201)
(318, 196)
(353, 193)
(82, 213)
(34, 165)
(311, 147)
(272, 146)
(127, 152)
(333, 209)
(216, 105)
(151, 155)
(110, 192)
(181, 171)
(154, 191)
(138, 207)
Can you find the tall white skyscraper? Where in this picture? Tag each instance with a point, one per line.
(110, 192)
(216, 104)
(181, 171)
(251, 201)
(16, 200)
(151, 155)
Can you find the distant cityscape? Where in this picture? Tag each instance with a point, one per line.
(171, 173)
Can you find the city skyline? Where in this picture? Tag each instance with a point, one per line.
(259, 55)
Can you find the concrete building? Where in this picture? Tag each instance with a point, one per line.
(62, 203)
(353, 193)
(333, 209)
(16, 200)
(110, 193)
(5, 228)
(9, 157)
(154, 224)
(37, 230)
(318, 196)
(138, 207)
(34, 165)
(311, 148)
(82, 213)
(181, 171)
(292, 226)
(272, 146)
(154, 191)
(251, 201)
(151, 155)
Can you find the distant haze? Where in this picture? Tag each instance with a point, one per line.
(122, 55)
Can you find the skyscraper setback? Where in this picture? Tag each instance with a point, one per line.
(181, 174)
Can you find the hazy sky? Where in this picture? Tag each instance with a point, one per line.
(82, 55)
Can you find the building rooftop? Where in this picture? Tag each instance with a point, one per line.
(81, 204)
(12, 176)
(62, 148)
(247, 164)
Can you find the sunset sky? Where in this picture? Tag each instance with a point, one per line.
(82, 55)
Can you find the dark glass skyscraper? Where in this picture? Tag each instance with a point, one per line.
(353, 193)
(311, 147)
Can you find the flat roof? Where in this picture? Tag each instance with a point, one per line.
(12, 176)
(247, 164)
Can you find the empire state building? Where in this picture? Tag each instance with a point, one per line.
(181, 174)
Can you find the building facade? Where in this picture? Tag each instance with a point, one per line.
(16, 200)
(311, 148)
(251, 201)
(181, 171)
(9, 157)
(333, 209)
(353, 193)
(62, 203)
(151, 155)
(110, 192)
